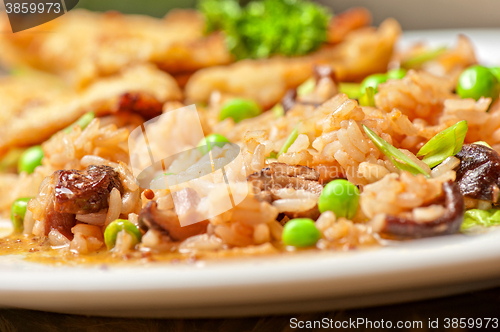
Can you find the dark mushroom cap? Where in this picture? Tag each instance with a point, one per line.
(478, 174)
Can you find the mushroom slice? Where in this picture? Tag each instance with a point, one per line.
(168, 223)
(448, 223)
(478, 174)
(278, 176)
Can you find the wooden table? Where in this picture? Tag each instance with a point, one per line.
(479, 304)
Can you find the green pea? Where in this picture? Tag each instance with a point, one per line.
(277, 110)
(396, 74)
(210, 141)
(306, 87)
(341, 197)
(30, 159)
(116, 227)
(373, 81)
(352, 90)
(496, 72)
(17, 213)
(476, 82)
(300, 232)
(239, 109)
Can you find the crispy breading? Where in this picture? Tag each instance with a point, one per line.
(363, 52)
(34, 116)
(82, 46)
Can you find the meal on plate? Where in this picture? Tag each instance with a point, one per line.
(316, 133)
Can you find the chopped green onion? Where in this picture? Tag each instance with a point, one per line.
(398, 158)
(476, 217)
(82, 122)
(272, 155)
(278, 110)
(289, 141)
(483, 143)
(306, 87)
(418, 60)
(352, 90)
(368, 98)
(444, 144)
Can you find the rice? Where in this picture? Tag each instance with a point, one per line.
(87, 238)
(97, 219)
(57, 240)
(343, 233)
(115, 206)
(294, 205)
(398, 194)
(201, 243)
(447, 165)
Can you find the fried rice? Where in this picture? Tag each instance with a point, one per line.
(237, 199)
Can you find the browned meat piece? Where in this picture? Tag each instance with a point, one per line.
(280, 175)
(62, 222)
(87, 191)
(448, 223)
(146, 105)
(168, 222)
(363, 52)
(478, 174)
(35, 107)
(109, 42)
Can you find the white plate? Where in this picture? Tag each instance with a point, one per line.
(270, 285)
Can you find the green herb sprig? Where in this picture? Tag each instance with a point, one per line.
(263, 28)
